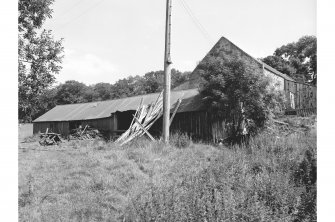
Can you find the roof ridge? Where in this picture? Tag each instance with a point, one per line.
(119, 98)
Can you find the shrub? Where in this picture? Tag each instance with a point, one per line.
(254, 184)
(180, 140)
(238, 94)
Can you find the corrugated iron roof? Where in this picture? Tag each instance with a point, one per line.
(191, 101)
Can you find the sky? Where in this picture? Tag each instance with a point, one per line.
(106, 40)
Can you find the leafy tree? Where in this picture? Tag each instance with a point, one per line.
(178, 78)
(126, 87)
(297, 59)
(238, 94)
(75, 92)
(280, 64)
(71, 92)
(89, 94)
(102, 91)
(153, 81)
(46, 101)
(39, 55)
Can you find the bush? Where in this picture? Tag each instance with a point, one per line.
(180, 140)
(240, 95)
(254, 184)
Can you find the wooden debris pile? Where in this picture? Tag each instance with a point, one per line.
(49, 138)
(87, 133)
(144, 118)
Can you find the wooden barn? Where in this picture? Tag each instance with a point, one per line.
(115, 116)
(299, 96)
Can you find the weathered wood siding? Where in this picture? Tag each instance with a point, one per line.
(304, 95)
(105, 124)
(55, 127)
(195, 124)
(200, 125)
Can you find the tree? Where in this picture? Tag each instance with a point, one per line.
(280, 64)
(46, 101)
(127, 87)
(153, 81)
(238, 94)
(71, 92)
(297, 59)
(39, 55)
(102, 91)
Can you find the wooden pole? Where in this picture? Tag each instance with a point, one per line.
(167, 74)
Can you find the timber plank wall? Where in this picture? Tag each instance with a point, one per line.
(55, 127)
(199, 125)
(304, 95)
(63, 127)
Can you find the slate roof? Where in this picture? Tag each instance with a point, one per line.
(191, 101)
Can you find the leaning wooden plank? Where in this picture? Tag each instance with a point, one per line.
(83, 131)
(175, 111)
(138, 133)
(136, 111)
(144, 119)
(280, 122)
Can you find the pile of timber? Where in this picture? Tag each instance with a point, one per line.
(49, 138)
(86, 133)
(144, 118)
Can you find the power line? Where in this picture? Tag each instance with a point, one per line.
(80, 15)
(72, 7)
(196, 21)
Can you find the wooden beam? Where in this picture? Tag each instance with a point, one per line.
(146, 131)
(83, 131)
(175, 111)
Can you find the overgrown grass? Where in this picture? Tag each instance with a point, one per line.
(272, 179)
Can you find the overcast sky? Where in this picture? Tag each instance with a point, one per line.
(106, 40)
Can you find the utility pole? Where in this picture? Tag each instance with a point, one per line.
(167, 74)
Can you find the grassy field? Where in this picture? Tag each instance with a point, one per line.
(25, 130)
(271, 179)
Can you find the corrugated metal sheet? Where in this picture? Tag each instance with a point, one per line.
(96, 110)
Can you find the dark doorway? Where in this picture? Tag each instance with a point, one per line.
(124, 119)
(74, 124)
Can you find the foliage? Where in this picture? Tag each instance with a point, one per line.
(75, 92)
(154, 81)
(280, 64)
(39, 55)
(147, 181)
(102, 91)
(296, 59)
(46, 100)
(238, 94)
(240, 184)
(71, 92)
(126, 87)
(180, 140)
